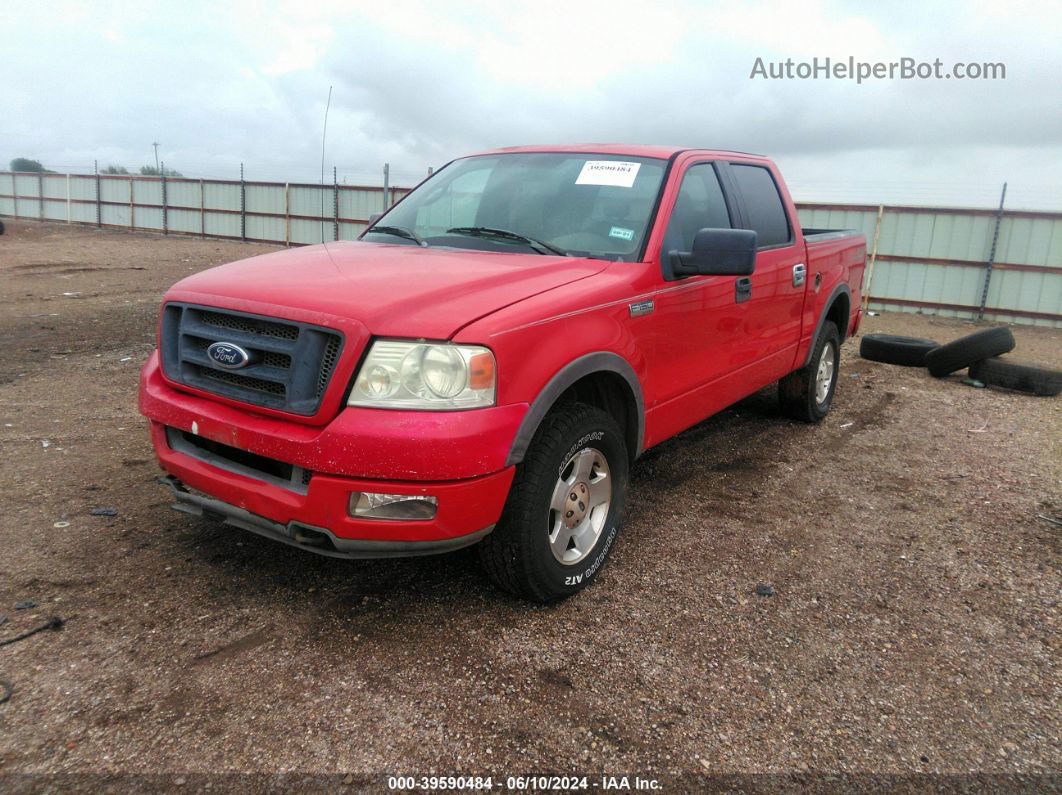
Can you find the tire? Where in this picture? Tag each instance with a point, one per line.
(968, 350)
(892, 349)
(808, 393)
(1021, 377)
(527, 554)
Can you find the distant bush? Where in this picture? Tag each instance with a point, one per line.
(151, 171)
(112, 169)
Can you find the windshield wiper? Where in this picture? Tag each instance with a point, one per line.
(504, 234)
(400, 231)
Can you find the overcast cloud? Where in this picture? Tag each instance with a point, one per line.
(417, 83)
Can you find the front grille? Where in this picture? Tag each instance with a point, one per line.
(251, 325)
(245, 381)
(252, 465)
(328, 364)
(290, 366)
(281, 360)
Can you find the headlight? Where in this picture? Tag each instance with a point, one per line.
(419, 375)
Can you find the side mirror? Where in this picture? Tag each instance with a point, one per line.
(374, 218)
(716, 252)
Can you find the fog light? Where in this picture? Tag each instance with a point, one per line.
(408, 507)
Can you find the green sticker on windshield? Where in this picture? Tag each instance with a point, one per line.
(621, 233)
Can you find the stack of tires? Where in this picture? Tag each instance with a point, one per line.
(981, 352)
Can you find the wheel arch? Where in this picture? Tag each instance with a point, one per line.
(838, 309)
(603, 379)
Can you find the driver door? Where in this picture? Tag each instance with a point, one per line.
(701, 319)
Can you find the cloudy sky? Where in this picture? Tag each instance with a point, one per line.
(416, 83)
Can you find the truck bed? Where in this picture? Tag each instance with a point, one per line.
(813, 235)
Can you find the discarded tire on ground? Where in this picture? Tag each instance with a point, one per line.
(967, 350)
(893, 349)
(1022, 377)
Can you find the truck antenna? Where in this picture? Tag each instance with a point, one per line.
(324, 132)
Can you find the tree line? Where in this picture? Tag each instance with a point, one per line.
(27, 165)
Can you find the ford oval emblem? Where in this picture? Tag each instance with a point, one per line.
(229, 356)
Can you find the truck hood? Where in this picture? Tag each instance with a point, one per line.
(393, 290)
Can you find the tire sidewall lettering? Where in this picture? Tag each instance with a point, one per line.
(590, 572)
(578, 447)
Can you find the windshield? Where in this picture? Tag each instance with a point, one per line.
(546, 202)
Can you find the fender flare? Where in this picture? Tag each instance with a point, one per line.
(602, 361)
(840, 289)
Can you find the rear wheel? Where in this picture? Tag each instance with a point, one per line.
(561, 518)
(807, 394)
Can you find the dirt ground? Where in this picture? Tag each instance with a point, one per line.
(913, 628)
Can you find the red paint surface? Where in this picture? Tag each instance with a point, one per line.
(697, 353)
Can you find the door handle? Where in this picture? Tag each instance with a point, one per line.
(742, 290)
(800, 274)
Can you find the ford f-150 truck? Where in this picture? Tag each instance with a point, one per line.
(484, 363)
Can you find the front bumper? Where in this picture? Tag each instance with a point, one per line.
(457, 458)
(364, 443)
(319, 540)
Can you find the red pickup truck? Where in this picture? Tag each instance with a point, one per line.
(486, 361)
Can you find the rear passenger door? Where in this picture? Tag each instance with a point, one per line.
(772, 323)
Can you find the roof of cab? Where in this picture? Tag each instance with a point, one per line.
(628, 150)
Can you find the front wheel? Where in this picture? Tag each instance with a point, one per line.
(561, 519)
(807, 394)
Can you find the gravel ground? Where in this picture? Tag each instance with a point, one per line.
(913, 627)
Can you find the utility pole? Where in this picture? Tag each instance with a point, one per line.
(387, 186)
(156, 145)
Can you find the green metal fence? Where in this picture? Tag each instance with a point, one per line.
(268, 212)
(934, 260)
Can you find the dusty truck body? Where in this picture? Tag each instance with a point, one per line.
(484, 363)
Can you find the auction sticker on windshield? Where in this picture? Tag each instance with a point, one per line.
(617, 173)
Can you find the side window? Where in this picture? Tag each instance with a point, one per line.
(700, 204)
(763, 204)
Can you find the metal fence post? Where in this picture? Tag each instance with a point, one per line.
(40, 195)
(386, 187)
(243, 206)
(202, 209)
(165, 213)
(335, 205)
(69, 210)
(287, 213)
(14, 192)
(992, 254)
(96, 171)
(132, 205)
